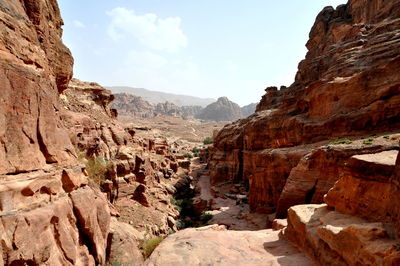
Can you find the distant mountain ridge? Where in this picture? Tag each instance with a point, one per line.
(132, 105)
(249, 109)
(221, 110)
(155, 97)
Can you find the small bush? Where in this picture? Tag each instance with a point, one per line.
(196, 151)
(208, 140)
(368, 141)
(179, 225)
(176, 204)
(97, 169)
(205, 217)
(386, 137)
(150, 245)
(185, 207)
(342, 141)
(188, 156)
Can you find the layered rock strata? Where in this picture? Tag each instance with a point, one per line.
(348, 85)
(49, 216)
(360, 223)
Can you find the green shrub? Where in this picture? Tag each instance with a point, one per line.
(208, 140)
(386, 137)
(196, 149)
(342, 141)
(188, 156)
(368, 141)
(176, 204)
(205, 217)
(150, 245)
(179, 225)
(97, 169)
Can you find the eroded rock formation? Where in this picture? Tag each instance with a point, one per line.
(35, 67)
(360, 223)
(347, 86)
(49, 216)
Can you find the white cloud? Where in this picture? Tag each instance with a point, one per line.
(152, 71)
(78, 24)
(146, 60)
(150, 30)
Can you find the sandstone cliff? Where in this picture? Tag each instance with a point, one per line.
(359, 225)
(139, 175)
(49, 216)
(332, 137)
(348, 86)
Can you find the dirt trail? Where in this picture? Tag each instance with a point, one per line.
(234, 235)
(227, 208)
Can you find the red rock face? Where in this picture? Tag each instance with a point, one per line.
(316, 173)
(34, 67)
(360, 223)
(369, 188)
(348, 85)
(49, 216)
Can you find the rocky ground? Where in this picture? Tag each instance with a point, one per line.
(233, 235)
(215, 245)
(79, 187)
(183, 135)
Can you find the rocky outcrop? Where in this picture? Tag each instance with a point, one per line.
(348, 85)
(34, 67)
(369, 188)
(318, 171)
(128, 104)
(139, 173)
(214, 245)
(124, 244)
(360, 223)
(222, 110)
(90, 98)
(49, 215)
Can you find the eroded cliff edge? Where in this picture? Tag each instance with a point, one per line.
(313, 142)
(49, 216)
(348, 86)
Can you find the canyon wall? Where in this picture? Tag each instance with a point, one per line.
(49, 215)
(348, 86)
(139, 174)
(359, 224)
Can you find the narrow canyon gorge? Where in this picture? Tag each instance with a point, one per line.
(311, 178)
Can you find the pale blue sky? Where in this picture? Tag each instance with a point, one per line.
(207, 48)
